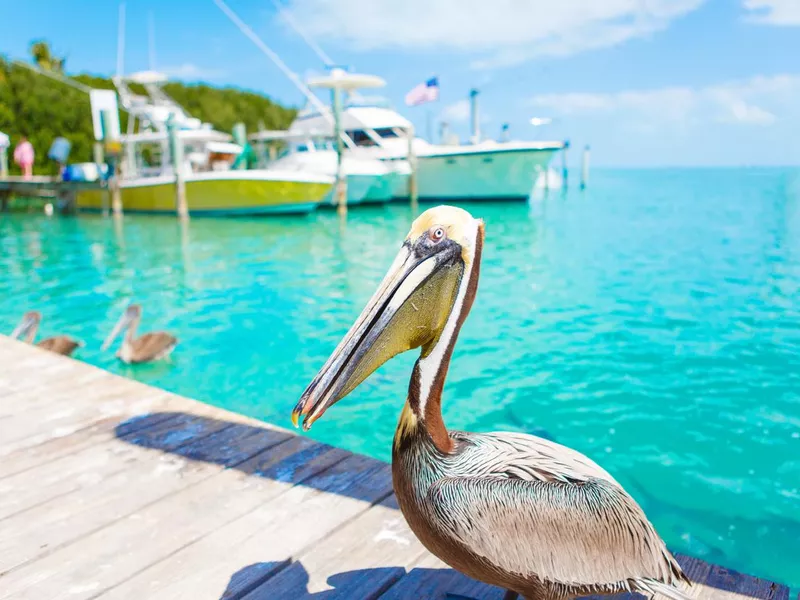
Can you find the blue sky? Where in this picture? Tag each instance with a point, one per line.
(645, 82)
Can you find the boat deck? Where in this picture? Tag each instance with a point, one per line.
(113, 489)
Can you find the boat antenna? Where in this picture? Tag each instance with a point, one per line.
(121, 40)
(151, 38)
(287, 16)
(275, 59)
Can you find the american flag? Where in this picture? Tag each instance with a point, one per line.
(424, 92)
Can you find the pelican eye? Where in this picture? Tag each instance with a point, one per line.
(437, 234)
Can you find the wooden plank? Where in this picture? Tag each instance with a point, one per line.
(107, 499)
(51, 480)
(431, 579)
(734, 583)
(237, 557)
(115, 553)
(70, 517)
(54, 479)
(59, 425)
(66, 518)
(361, 560)
(56, 448)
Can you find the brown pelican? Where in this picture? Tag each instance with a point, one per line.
(510, 509)
(60, 344)
(145, 348)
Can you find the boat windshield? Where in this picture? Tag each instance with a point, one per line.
(388, 132)
(360, 138)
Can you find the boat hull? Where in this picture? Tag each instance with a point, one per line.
(360, 190)
(475, 175)
(214, 196)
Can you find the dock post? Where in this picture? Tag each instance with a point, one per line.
(113, 153)
(340, 189)
(585, 168)
(176, 155)
(3, 161)
(413, 190)
(474, 116)
(564, 173)
(240, 137)
(263, 158)
(99, 161)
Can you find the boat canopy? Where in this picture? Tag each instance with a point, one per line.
(267, 135)
(186, 135)
(340, 79)
(146, 77)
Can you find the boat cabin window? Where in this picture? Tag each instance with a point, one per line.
(387, 132)
(360, 138)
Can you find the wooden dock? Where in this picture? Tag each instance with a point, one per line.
(116, 490)
(39, 186)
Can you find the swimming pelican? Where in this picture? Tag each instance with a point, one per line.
(60, 344)
(510, 509)
(145, 348)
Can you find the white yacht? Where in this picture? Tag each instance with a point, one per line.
(369, 180)
(484, 171)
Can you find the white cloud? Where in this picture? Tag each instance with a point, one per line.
(190, 71)
(458, 112)
(496, 33)
(757, 101)
(773, 12)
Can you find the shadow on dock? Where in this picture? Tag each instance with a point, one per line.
(296, 460)
(261, 452)
(290, 579)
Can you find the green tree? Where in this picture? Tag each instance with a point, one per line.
(44, 59)
(43, 109)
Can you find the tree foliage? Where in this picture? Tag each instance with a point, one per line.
(43, 109)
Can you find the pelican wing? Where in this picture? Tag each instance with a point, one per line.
(60, 344)
(588, 533)
(523, 456)
(152, 346)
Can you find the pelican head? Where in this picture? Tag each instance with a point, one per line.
(28, 326)
(129, 316)
(420, 303)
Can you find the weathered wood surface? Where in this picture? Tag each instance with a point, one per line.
(112, 489)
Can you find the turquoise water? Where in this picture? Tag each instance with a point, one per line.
(652, 323)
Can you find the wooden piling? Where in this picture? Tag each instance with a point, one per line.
(3, 161)
(113, 155)
(99, 161)
(564, 173)
(240, 137)
(176, 156)
(340, 189)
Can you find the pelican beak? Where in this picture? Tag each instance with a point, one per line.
(123, 322)
(409, 310)
(24, 327)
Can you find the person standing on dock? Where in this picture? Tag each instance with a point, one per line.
(23, 156)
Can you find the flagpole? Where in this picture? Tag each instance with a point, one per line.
(429, 125)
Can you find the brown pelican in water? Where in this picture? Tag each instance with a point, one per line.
(60, 344)
(145, 348)
(510, 509)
